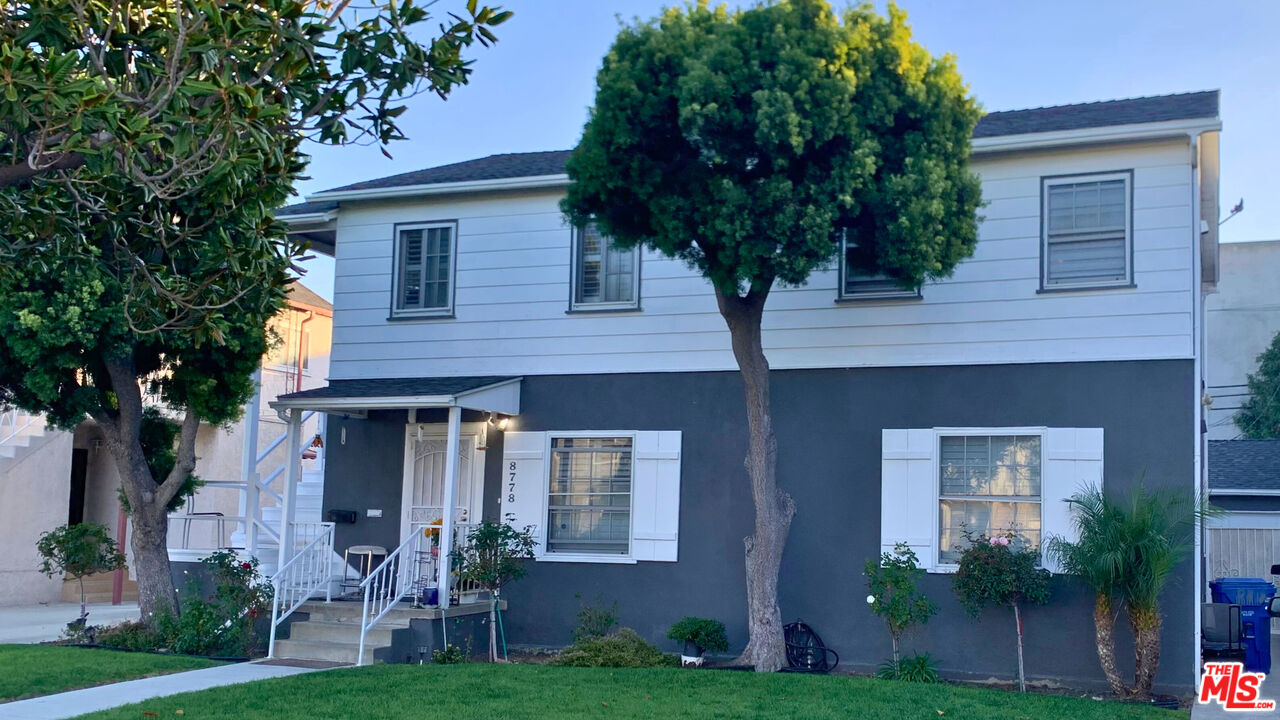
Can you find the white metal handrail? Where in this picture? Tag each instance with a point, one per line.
(13, 421)
(389, 583)
(304, 576)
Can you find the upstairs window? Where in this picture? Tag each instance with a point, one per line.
(605, 277)
(425, 258)
(1087, 238)
(857, 285)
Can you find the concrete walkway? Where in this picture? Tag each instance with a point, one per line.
(1270, 691)
(42, 623)
(78, 702)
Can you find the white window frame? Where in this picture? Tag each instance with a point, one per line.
(575, 279)
(547, 555)
(842, 293)
(397, 270)
(936, 461)
(1051, 181)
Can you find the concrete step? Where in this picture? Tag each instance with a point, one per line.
(341, 632)
(350, 613)
(344, 652)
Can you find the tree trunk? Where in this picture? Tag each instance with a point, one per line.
(1104, 625)
(895, 650)
(148, 498)
(1146, 624)
(766, 650)
(1022, 674)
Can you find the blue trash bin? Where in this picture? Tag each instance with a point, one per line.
(1252, 595)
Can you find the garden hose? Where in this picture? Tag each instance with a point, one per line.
(502, 632)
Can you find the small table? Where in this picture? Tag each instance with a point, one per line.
(364, 557)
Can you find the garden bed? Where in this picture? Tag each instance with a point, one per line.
(35, 670)
(528, 691)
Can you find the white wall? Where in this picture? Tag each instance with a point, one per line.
(1240, 321)
(33, 500)
(513, 291)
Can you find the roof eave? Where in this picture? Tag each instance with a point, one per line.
(1095, 136)
(501, 397)
(513, 183)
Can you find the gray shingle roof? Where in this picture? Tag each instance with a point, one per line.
(1244, 465)
(395, 387)
(306, 208)
(1160, 108)
(1107, 113)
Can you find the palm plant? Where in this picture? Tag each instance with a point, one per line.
(1126, 552)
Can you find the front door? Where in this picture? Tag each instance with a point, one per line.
(424, 478)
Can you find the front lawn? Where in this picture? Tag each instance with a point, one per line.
(514, 692)
(31, 670)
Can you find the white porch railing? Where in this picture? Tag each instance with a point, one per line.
(13, 421)
(308, 573)
(391, 581)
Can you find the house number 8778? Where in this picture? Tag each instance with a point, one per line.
(511, 482)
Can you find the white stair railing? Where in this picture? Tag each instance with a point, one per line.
(389, 583)
(13, 421)
(304, 576)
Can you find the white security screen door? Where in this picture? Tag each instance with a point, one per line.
(423, 493)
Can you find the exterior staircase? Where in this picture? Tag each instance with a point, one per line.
(331, 632)
(308, 508)
(98, 589)
(21, 435)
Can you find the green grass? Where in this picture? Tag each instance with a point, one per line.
(517, 692)
(31, 670)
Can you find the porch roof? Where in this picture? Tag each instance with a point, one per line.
(489, 392)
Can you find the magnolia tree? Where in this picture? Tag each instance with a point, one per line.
(143, 147)
(746, 143)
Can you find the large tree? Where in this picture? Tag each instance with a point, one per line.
(1259, 416)
(746, 143)
(144, 145)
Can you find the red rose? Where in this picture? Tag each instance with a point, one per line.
(246, 566)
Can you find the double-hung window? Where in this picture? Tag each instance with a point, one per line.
(1087, 231)
(988, 485)
(857, 285)
(426, 254)
(589, 496)
(605, 276)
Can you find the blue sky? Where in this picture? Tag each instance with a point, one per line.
(531, 91)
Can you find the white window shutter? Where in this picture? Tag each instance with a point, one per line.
(908, 493)
(655, 496)
(1072, 462)
(524, 490)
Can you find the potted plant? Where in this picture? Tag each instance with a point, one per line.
(698, 635)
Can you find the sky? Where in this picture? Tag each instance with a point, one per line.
(531, 90)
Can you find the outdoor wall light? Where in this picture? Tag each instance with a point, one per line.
(499, 422)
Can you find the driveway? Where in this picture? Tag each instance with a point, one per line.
(41, 623)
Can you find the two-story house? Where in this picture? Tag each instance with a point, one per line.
(490, 361)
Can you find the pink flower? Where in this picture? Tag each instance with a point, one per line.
(1001, 541)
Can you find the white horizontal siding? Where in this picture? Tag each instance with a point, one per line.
(513, 292)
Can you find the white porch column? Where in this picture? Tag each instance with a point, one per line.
(452, 449)
(250, 498)
(293, 472)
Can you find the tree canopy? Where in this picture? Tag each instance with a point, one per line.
(1259, 416)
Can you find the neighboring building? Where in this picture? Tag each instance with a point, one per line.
(1241, 319)
(51, 477)
(1065, 351)
(1244, 482)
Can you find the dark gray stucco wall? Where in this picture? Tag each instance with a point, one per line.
(828, 424)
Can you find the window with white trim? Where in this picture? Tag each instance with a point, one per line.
(425, 258)
(1087, 231)
(589, 496)
(858, 285)
(988, 485)
(605, 276)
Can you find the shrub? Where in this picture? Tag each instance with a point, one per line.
(625, 649)
(595, 620)
(701, 632)
(450, 655)
(129, 635)
(1001, 570)
(221, 623)
(79, 551)
(495, 554)
(894, 597)
(913, 668)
